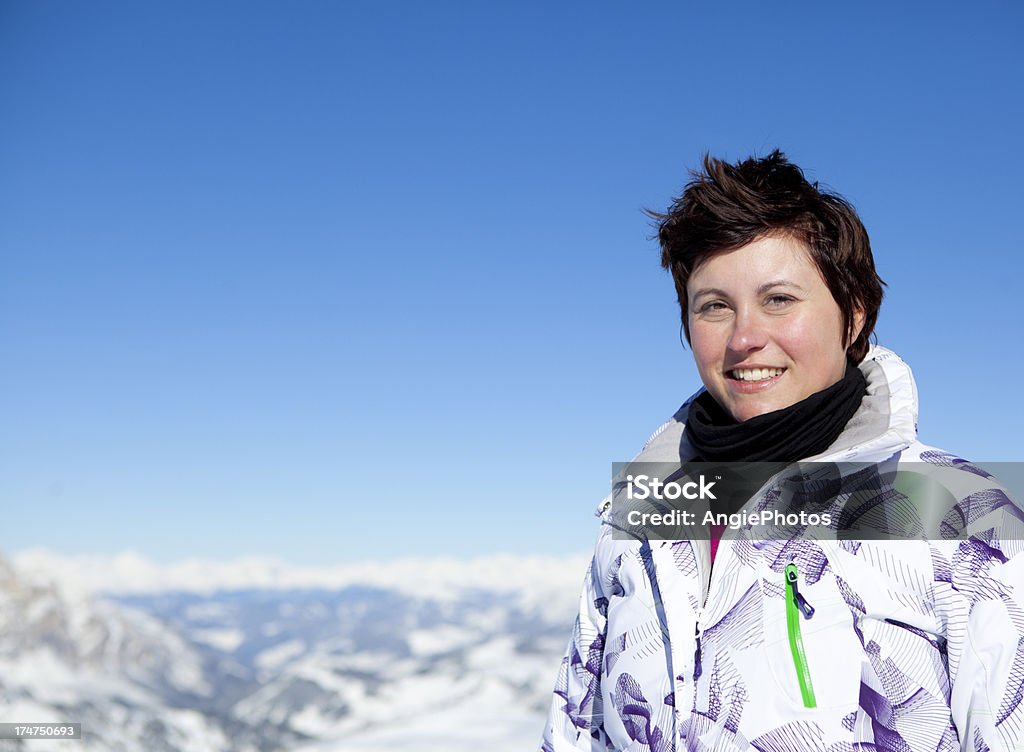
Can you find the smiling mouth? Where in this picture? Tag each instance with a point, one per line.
(754, 374)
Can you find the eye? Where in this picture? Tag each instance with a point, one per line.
(712, 306)
(778, 301)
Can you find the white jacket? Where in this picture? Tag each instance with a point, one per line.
(913, 645)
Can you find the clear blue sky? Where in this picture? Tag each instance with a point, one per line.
(335, 281)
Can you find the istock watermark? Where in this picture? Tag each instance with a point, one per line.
(645, 487)
(735, 521)
(890, 500)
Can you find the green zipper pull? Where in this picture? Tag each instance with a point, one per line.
(795, 605)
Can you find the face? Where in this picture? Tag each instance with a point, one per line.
(765, 330)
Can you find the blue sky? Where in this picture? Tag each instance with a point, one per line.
(338, 281)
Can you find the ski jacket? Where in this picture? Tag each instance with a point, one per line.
(806, 644)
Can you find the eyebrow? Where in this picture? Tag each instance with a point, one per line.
(760, 290)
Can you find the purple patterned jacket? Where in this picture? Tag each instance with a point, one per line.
(804, 644)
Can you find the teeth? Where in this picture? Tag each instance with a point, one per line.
(756, 374)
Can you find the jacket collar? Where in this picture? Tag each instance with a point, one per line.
(886, 422)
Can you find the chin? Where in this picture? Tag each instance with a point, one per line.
(744, 413)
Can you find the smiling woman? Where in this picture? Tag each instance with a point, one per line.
(762, 346)
(802, 642)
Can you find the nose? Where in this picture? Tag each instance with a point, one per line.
(749, 332)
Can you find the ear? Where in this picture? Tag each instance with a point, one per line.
(858, 325)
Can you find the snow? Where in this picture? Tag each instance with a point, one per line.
(312, 722)
(480, 662)
(432, 641)
(207, 611)
(488, 718)
(222, 639)
(271, 629)
(280, 654)
(55, 683)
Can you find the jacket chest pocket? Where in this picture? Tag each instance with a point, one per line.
(812, 645)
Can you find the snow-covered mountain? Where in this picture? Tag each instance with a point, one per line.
(256, 655)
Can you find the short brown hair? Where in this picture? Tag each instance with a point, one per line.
(727, 206)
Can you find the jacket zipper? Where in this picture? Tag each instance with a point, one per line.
(697, 668)
(796, 604)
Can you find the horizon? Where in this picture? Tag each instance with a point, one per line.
(134, 573)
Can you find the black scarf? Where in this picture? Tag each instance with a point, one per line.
(801, 430)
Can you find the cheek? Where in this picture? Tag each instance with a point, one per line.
(708, 348)
(816, 344)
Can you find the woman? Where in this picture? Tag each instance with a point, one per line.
(798, 644)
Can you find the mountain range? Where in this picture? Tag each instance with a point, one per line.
(256, 655)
